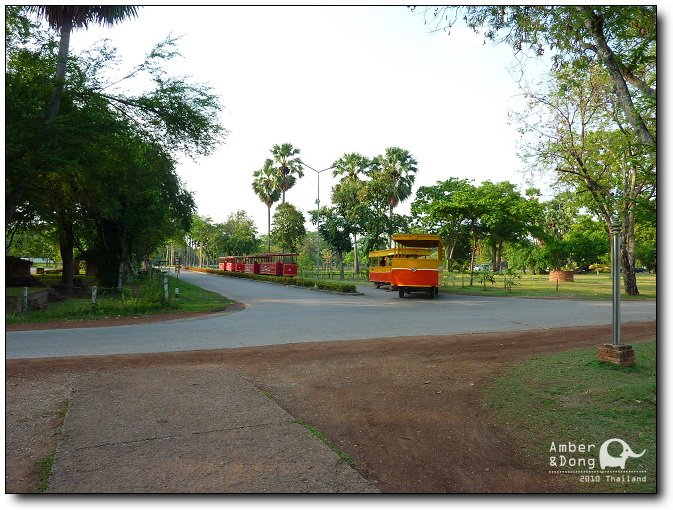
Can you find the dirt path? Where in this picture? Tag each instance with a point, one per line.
(405, 409)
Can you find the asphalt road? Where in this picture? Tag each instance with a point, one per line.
(278, 315)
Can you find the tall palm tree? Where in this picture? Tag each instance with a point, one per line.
(287, 165)
(398, 168)
(66, 17)
(351, 167)
(266, 187)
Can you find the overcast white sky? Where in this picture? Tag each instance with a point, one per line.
(333, 80)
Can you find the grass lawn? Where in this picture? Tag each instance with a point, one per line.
(585, 286)
(146, 299)
(572, 397)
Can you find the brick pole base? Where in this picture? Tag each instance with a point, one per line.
(622, 355)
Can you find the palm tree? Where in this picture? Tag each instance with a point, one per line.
(398, 168)
(266, 187)
(66, 17)
(351, 167)
(397, 171)
(287, 165)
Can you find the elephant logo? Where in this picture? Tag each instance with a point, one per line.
(608, 460)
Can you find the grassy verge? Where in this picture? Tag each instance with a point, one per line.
(338, 286)
(571, 397)
(585, 286)
(145, 298)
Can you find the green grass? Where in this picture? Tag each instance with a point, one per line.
(144, 299)
(585, 286)
(18, 291)
(343, 456)
(573, 397)
(48, 462)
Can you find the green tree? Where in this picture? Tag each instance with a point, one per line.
(396, 172)
(241, 234)
(77, 177)
(440, 209)
(588, 242)
(267, 188)
(352, 167)
(288, 227)
(576, 132)
(64, 18)
(507, 216)
(287, 165)
(334, 229)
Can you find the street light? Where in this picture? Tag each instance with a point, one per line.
(317, 202)
(616, 230)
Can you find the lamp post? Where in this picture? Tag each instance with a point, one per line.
(615, 352)
(616, 229)
(317, 202)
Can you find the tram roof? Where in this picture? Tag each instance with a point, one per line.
(418, 240)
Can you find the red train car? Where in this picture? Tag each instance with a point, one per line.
(276, 264)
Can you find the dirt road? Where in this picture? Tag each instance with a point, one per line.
(405, 409)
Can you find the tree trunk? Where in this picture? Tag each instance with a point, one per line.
(494, 256)
(356, 263)
(268, 230)
(59, 77)
(66, 244)
(594, 24)
(628, 257)
(472, 255)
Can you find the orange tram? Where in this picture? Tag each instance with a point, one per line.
(412, 265)
(276, 264)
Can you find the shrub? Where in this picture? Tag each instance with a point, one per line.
(347, 288)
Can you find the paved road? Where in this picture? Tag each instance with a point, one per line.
(277, 315)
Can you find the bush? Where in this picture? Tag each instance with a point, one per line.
(347, 288)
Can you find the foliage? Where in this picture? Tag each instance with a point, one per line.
(334, 230)
(267, 188)
(494, 212)
(144, 297)
(102, 171)
(352, 167)
(287, 166)
(439, 209)
(509, 278)
(574, 131)
(288, 227)
(618, 41)
(346, 288)
(394, 173)
(236, 236)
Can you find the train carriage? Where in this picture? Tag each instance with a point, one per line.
(380, 266)
(276, 264)
(415, 264)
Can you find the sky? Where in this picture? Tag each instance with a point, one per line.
(330, 81)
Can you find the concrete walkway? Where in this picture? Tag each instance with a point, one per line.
(189, 430)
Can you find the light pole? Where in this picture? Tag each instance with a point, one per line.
(616, 248)
(616, 352)
(317, 203)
